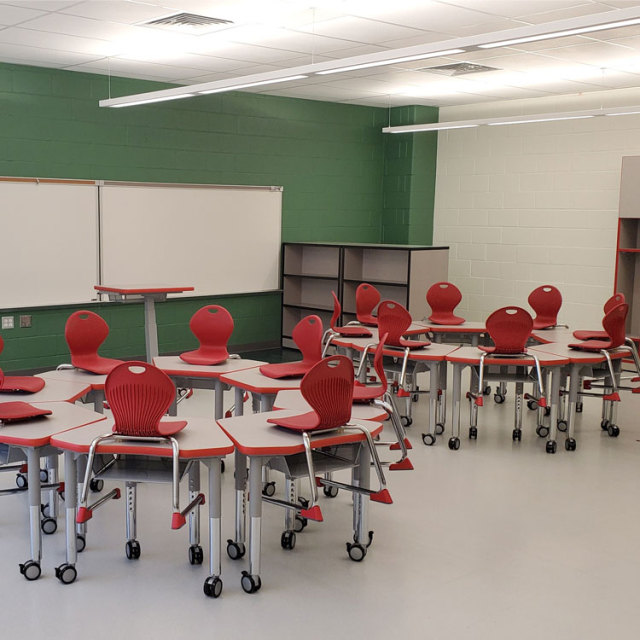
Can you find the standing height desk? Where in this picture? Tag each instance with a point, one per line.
(149, 295)
(34, 438)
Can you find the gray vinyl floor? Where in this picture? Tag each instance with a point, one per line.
(496, 540)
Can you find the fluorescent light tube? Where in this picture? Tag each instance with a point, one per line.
(549, 119)
(381, 63)
(150, 100)
(436, 126)
(234, 87)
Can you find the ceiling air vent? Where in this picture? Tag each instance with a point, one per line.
(188, 22)
(458, 69)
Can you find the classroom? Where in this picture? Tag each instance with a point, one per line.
(502, 134)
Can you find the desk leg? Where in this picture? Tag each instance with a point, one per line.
(434, 382)
(455, 405)
(150, 328)
(362, 537)
(442, 397)
(239, 400)
(218, 406)
(31, 568)
(66, 572)
(251, 580)
(213, 583)
(554, 398)
(574, 384)
(236, 548)
(51, 465)
(195, 550)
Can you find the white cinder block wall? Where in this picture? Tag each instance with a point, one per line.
(531, 204)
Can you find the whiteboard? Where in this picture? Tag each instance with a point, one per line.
(220, 240)
(48, 242)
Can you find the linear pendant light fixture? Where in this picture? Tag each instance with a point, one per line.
(583, 24)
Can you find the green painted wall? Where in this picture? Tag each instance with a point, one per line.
(330, 159)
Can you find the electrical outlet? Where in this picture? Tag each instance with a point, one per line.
(25, 322)
(7, 322)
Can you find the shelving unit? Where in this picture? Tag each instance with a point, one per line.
(311, 271)
(628, 246)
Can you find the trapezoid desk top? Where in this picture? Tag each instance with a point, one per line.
(54, 390)
(37, 432)
(435, 352)
(472, 355)
(466, 327)
(256, 382)
(200, 438)
(175, 366)
(555, 334)
(578, 355)
(254, 436)
(94, 380)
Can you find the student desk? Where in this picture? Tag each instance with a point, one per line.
(260, 441)
(149, 295)
(33, 437)
(505, 368)
(94, 383)
(292, 399)
(465, 333)
(200, 440)
(198, 376)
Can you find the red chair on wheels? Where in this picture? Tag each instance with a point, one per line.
(443, 298)
(350, 330)
(84, 332)
(139, 395)
(394, 320)
(545, 302)
(367, 297)
(307, 335)
(613, 301)
(212, 326)
(19, 384)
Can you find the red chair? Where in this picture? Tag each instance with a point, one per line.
(84, 332)
(212, 326)
(139, 395)
(394, 320)
(613, 324)
(545, 302)
(353, 331)
(307, 335)
(613, 301)
(443, 298)
(19, 384)
(367, 297)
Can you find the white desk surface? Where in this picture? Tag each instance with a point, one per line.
(254, 436)
(472, 355)
(37, 432)
(256, 382)
(174, 366)
(54, 390)
(140, 289)
(577, 355)
(557, 334)
(436, 351)
(76, 375)
(200, 438)
(293, 399)
(465, 327)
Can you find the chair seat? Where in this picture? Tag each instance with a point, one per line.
(353, 331)
(445, 318)
(502, 352)
(95, 364)
(205, 356)
(286, 369)
(25, 384)
(414, 344)
(303, 422)
(368, 320)
(20, 411)
(590, 335)
(591, 345)
(165, 427)
(366, 393)
(542, 324)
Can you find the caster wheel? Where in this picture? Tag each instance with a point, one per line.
(542, 431)
(31, 570)
(300, 524)
(44, 510)
(269, 489)
(49, 526)
(407, 421)
(96, 485)
(330, 492)
(532, 405)
(21, 481)
(132, 549)
(562, 425)
(578, 407)
(439, 429)
(473, 433)
(212, 587)
(44, 475)
(454, 444)
(81, 543)
(196, 556)
(570, 444)
(516, 435)
(356, 551)
(603, 425)
(235, 550)
(249, 583)
(551, 446)
(486, 391)
(66, 573)
(288, 540)
(429, 439)
(613, 431)
(498, 398)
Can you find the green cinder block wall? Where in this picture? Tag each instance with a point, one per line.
(330, 158)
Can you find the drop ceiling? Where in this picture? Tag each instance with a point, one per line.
(113, 37)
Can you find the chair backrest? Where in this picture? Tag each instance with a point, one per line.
(443, 298)
(546, 302)
(337, 309)
(84, 332)
(613, 301)
(393, 320)
(307, 335)
(212, 325)
(614, 324)
(367, 297)
(139, 394)
(328, 388)
(510, 328)
(378, 364)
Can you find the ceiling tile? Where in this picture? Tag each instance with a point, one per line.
(12, 15)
